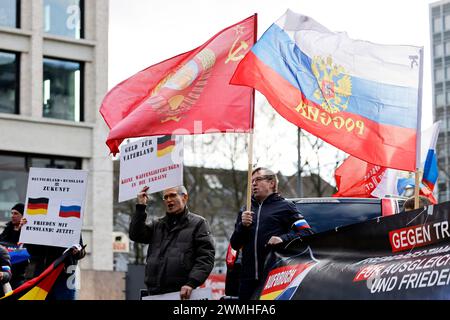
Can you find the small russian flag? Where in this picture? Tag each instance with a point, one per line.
(300, 225)
(6, 268)
(70, 209)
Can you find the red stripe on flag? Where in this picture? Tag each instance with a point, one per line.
(166, 144)
(51, 271)
(69, 214)
(48, 282)
(37, 206)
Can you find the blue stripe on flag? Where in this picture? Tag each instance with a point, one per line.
(430, 170)
(6, 268)
(70, 208)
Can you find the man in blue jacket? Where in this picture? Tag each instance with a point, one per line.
(271, 222)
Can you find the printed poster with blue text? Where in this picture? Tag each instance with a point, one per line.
(54, 207)
(155, 162)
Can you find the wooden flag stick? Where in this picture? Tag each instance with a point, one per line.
(418, 175)
(249, 174)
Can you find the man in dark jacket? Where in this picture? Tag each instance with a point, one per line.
(272, 221)
(181, 251)
(11, 235)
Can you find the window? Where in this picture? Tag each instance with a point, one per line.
(9, 13)
(447, 72)
(447, 48)
(448, 98)
(9, 82)
(437, 24)
(14, 170)
(62, 90)
(64, 18)
(438, 50)
(440, 99)
(439, 75)
(447, 22)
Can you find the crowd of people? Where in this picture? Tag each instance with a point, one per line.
(181, 250)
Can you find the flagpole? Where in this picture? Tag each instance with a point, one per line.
(417, 188)
(419, 131)
(250, 142)
(299, 166)
(249, 173)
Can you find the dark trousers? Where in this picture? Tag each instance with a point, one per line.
(247, 288)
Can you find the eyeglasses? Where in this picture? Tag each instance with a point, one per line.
(261, 178)
(170, 196)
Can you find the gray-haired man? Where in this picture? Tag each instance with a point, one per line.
(181, 251)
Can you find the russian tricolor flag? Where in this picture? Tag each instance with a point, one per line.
(300, 225)
(361, 97)
(70, 209)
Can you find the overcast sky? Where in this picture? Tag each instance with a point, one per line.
(145, 32)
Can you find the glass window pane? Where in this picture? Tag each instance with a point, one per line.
(439, 75)
(447, 22)
(440, 99)
(39, 162)
(62, 90)
(437, 24)
(8, 82)
(447, 48)
(66, 164)
(447, 72)
(438, 50)
(8, 13)
(13, 183)
(63, 17)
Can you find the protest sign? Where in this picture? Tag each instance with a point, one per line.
(197, 294)
(54, 207)
(155, 162)
(400, 257)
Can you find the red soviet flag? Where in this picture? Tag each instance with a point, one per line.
(187, 94)
(356, 178)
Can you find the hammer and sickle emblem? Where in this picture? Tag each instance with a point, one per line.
(233, 53)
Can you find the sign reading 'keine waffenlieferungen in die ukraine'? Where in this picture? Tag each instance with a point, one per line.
(54, 207)
(155, 162)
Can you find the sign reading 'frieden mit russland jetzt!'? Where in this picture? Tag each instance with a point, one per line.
(54, 207)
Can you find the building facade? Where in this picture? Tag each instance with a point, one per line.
(53, 77)
(440, 62)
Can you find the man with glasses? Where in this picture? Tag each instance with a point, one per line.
(181, 251)
(272, 221)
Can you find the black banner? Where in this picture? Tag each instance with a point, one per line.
(404, 256)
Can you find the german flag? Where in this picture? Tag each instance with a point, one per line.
(39, 287)
(165, 145)
(37, 206)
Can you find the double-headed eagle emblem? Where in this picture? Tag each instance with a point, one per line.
(335, 85)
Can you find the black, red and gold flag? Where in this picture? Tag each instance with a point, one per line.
(39, 287)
